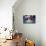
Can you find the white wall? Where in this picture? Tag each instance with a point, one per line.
(32, 29)
(28, 7)
(43, 22)
(6, 13)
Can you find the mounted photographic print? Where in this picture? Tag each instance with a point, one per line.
(29, 19)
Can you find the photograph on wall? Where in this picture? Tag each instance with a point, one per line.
(29, 19)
